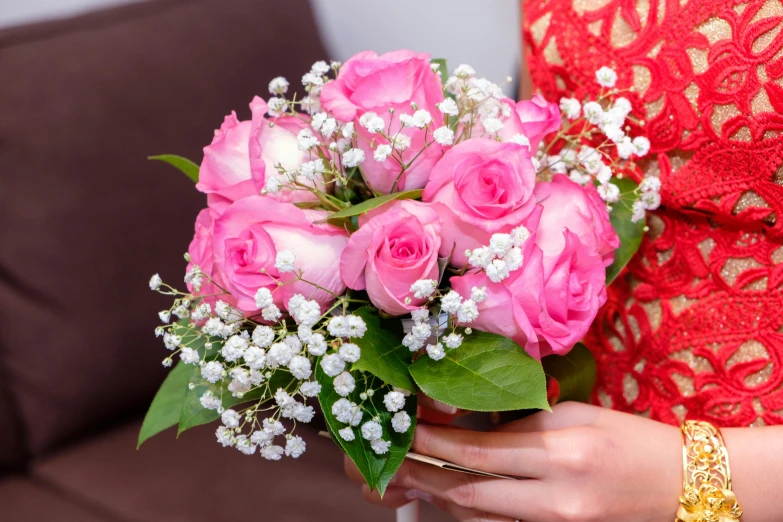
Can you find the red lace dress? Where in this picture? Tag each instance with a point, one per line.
(694, 327)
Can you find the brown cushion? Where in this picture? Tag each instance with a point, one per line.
(85, 219)
(25, 500)
(194, 479)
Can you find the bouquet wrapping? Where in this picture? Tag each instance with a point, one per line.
(386, 190)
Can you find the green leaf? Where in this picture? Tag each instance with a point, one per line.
(487, 373)
(630, 233)
(574, 372)
(377, 470)
(370, 204)
(186, 166)
(165, 409)
(383, 354)
(442, 69)
(193, 414)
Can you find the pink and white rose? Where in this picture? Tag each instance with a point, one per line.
(534, 119)
(395, 247)
(241, 154)
(200, 253)
(568, 205)
(252, 231)
(369, 83)
(486, 187)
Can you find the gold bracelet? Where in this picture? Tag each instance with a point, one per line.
(706, 481)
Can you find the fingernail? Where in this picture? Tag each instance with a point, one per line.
(445, 408)
(413, 494)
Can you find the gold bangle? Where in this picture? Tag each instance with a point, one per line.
(706, 480)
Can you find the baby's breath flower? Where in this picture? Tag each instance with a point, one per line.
(492, 125)
(355, 327)
(212, 371)
(284, 262)
(225, 436)
(609, 192)
(155, 282)
(382, 152)
(209, 401)
(278, 85)
(165, 316)
(332, 364)
(316, 345)
(295, 447)
(300, 367)
(189, 356)
(420, 314)
(435, 351)
(641, 146)
(263, 336)
(372, 122)
(353, 158)
(606, 77)
(272, 452)
(394, 401)
(380, 446)
(423, 288)
(401, 422)
(497, 271)
(449, 107)
(464, 71)
(570, 107)
(452, 340)
(344, 384)
(230, 419)
(468, 312)
(444, 136)
(451, 302)
(371, 430)
(271, 313)
(310, 388)
(346, 434)
(478, 294)
(520, 139)
(401, 142)
(350, 352)
(306, 139)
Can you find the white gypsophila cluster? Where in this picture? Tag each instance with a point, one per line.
(502, 256)
(650, 198)
(478, 104)
(237, 354)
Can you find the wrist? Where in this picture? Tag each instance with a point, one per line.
(756, 467)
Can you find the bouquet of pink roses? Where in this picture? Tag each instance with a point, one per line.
(395, 230)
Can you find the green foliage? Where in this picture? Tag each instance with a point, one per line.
(377, 470)
(574, 373)
(487, 373)
(185, 166)
(165, 409)
(383, 355)
(370, 204)
(630, 233)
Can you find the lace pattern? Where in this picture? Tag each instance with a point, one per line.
(694, 328)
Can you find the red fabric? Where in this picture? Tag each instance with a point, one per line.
(717, 165)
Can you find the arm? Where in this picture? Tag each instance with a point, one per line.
(584, 463)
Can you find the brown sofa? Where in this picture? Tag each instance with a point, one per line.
(85, 220)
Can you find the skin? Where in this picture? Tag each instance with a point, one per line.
(583, 463)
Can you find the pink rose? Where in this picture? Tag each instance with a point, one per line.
(503, 311)
(574, 288)
(224, 174)
(368, 83)
(548, 304)
(200, 252)
(581, 210)
(395, 247)
(252, 231)
(534, 118)
(486, 187)
(242, 152)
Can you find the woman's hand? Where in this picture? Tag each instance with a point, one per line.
(582, 463)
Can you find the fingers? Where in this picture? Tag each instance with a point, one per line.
(508, 498)
(468, 515)
(516, 454)
(393, 498)
(563, 415)
(427, 402)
